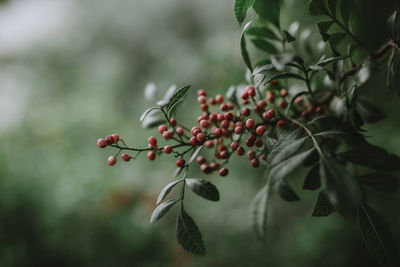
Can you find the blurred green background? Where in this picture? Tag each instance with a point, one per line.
(72, 71)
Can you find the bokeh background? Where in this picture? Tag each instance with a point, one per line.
(72, 71)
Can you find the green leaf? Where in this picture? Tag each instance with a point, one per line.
(258, 207)
(288, 37)
(286, 191)
(317, 7)
(377, 235)
(287, 166)
(240, 8)
(335, 39)
(313, 179)
(264, 46)
(323, 207)
(281, 60)
(327, 61)
(203, 188)
(162, 209)
(195, 153)
(332, 6)
(147, 112)
(281, 153)
(243, 47)
(323, 28)
(394, 27)
(341, 189)
(165, 191)
(393, 72)
(263, 68)
(177, 172)
(152, 121)
(176, 99)
(369, 112)
(283, 75)
(345, 9)
(188, 234)
(380, 181)
(262, 32)
(268, 11)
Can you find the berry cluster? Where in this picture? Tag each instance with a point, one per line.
(225, 127)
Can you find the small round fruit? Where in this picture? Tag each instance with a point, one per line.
(201, 92)
(251, 154)
(234, 145)
(111, 161)
(201, 138)
(223, 172)
(167, 149)
(151, 155)
(250, 123)
(195, 130)
(240, 151)
(162, 128)
(217, 132)
(180, 163)
(153, 141)
(209, 143)
(255, 163)
(167, 135)
(261, 130)
(173, 122)
(219, 99)
(246, 112)
(110, 139)
(201, 159)
(102, 143)
(281, 124)
(116, 138)
(126, 157)
(180, 131)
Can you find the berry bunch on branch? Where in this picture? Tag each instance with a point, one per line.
(295, 112)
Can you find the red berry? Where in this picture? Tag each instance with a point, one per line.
(258, 143)
(245, 102)
(224, 107)
(225, 124)
(251, 91)
(180, 163)
(209, 144)
(201, 159)
(228, 116)
(167, 149)
(111, 161)
(281, 124)
(126, 157)
(255, 163)
(151, 155)
(102, 143)
(263, 156)
(273, 83)
(234, 145)
(193, 141)
(201, 138)
(270, 113)
(213, 117)
(201, 99)
(250, 123)
(270, 96)
(284, 92)
(319, 110)
(251, 154)
(240, 151)
(212, 101)
(153, 141)
(282, 103)
(173, 122)
(305, 113)
(110, 139)
(180, 131)
(167, 135)
(201, 92)
(224, 154)
(230, 105)
(257, 109)
(204, 124)
(162, 128)
(299, 100)
(221, 148)
(238, 130)
(195, 130)
(226, 132)
(239, 124)
(262, 104)
(220, 117)
(245, 95)
(205, 168)
(116, 138)
(246, 112)
(204, 107)
(217, 132)
(214, 166)
(219, 99)
(223, 172)
(261, 130)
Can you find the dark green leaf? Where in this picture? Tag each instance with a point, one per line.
(165, 191)
(323, 28)
(281, 153)
(176, 99)
(284, 75)
(243, 47)
(262, 32)
(288, 37)
(341, 189)
(287, 166)
(240, 8)
(264, 68)
(286, 191)
(177, 172)
(335, 39)
(393, 72)
(258, 207)
(313, 179)
(195, 153)
(317, 7)
(332, 6)
(323, 207)
(188, 234)
(331, 60)
(268, 11)
(162, 209)
(345, 9)
(394, 26)
(369, 112)
(264, 46)
(380, 181)
(377, 235)
(203, 188)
